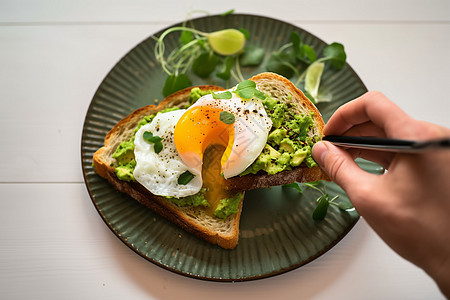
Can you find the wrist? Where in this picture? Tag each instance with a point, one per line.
(441, 275)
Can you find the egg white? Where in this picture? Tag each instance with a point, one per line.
(159, 172)
(251, 126)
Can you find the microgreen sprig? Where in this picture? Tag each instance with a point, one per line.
(299, 59)
(200, 52)
(153, 139)
(323, 201)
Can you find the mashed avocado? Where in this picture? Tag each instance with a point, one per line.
(124, 153)
(193, 200)
(196, 94)
(125, 164)
(288, 144)
(228, 206)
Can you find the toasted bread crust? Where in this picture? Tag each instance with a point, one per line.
(174, 214)
(122, 131)
(275, 85)
(267, 82)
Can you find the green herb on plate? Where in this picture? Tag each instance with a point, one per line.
(324, 201)
(301, 60)
(293, 185)
(199, 52)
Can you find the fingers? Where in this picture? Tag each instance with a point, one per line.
(371, 108)
(366, 129)
(340, 166)
(382, 158)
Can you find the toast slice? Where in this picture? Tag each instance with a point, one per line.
(280, 88)
(195, 220)
(224, 233)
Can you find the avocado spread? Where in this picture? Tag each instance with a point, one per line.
(288, 144)
(193, 200)
(228, 206)
(125, 164)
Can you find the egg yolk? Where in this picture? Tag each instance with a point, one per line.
(198, 128)
(213, 181)
(202, 139)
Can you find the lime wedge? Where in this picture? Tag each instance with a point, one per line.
(227, 42)
(312, 78)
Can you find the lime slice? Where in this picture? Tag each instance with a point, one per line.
(312, 78)
(227, 42)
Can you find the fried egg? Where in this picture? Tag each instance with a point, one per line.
(200, 126)
(186, 134)
(159, 172)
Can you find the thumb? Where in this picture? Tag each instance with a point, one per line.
(340, 166)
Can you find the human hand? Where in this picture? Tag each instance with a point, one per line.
(409, 205)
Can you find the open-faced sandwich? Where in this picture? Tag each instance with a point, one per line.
(191, 158)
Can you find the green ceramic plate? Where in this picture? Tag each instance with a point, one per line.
(277, 232)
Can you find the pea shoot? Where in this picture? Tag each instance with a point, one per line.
(323, 201)
(296, 55)
(200, 52)
(222, 53)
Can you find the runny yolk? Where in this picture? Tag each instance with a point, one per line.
(198, 128)
(202, 139)
(213, 180)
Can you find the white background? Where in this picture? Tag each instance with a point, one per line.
(54, 55)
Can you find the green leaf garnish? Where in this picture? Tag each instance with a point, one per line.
(252, 56)
(149, 137)
(223, 95)
(321, 209)
(335, 54)
(282, 63)
(245, 33)
(324, 202)
(186, 37)
(205, 64)
(175, 83)
(303, 52)
(226, 117)
(309, 52)
(247, 90)
(158, 146)
(153, 139)
(294, 185)
(225, 68)
(185, 178)
(229, 12)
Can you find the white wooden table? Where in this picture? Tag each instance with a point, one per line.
(53, 56)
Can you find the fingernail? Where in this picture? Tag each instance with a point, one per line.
(319, 151)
